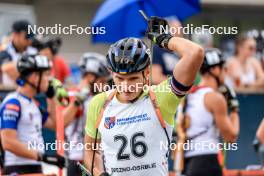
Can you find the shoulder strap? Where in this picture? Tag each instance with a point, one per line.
(107, 101)
(156, 107)
(158, 113)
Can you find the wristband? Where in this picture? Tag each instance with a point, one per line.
(163, 40)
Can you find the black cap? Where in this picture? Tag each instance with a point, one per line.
(41, 42)
(22, 26)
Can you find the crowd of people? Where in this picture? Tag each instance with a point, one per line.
(201, 90)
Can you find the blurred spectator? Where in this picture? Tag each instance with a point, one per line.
(20, 43)
(50, 48)
(4, 42)
(164, 61)
(203, 38)
(258, 35)
(244, 71)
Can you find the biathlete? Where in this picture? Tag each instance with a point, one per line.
(209, 111)
(130, 122)
(21, 119)
(94, 76)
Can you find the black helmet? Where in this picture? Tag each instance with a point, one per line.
(213, 57)
(128, 55)
(93, 63)
(32, 63)
(41, 42)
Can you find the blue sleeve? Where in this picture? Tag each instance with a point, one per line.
(45, 117)
(10, 112)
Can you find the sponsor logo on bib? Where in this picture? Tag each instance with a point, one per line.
(109, 122)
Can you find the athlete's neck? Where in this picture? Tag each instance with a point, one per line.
(27, 91)
(208, 81)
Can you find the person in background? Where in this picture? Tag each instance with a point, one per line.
(94, 72)
(22, 120)
(258, 35)
(243, 70)
(4, 42)
(21, 42)
(163, 60)
(50, 48)
(209, 110)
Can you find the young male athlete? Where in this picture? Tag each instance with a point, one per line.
(21, 120)
(94, 73)
(131, 123)
(208, 112)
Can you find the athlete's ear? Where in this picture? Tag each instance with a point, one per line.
(147, 71)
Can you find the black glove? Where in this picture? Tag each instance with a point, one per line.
(104, 174)
(51, 90)
(156, 32)
(52, 159)
(231, 98)
(56, 89)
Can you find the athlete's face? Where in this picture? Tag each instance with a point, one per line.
(96, 84)
(130, 86)
(44, 83)
(220, 72)
(21, 41)
(46, 52)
